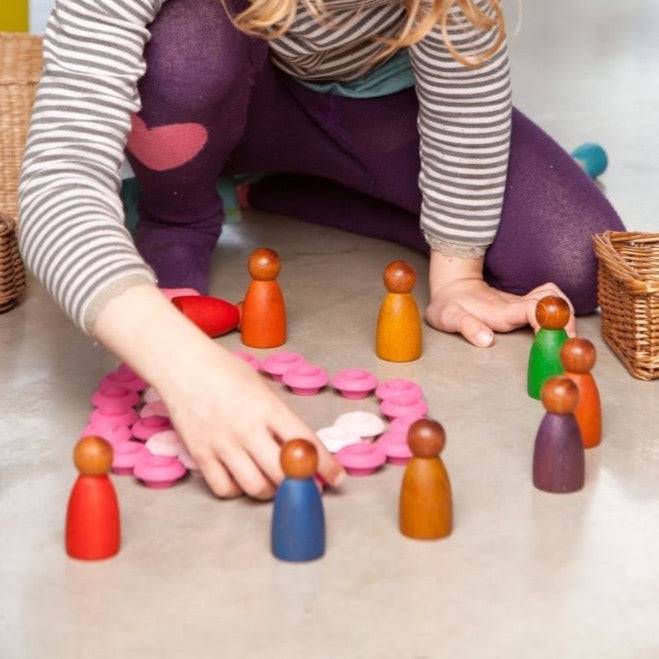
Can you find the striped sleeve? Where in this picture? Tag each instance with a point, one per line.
(72, 233)
(464, 129)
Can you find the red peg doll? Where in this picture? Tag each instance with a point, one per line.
(92, 517)
(263, 321)
(578, 357)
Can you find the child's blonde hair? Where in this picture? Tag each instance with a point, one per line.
(272, 18)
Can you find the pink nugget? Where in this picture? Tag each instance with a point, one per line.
(354, 383)
(158, 472)
(124, 457)
(361, 459)
(149, 425)
(166, 443)
(390, 388)
(112, 435)
(249, 359)
(115, 398)
(305, 379)
(276, 365)
(125, 377)
(111, 420)
(395, 447)
(403, 405)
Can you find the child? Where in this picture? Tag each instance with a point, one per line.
(321, 95)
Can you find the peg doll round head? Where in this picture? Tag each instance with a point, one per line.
(578, 355)
(426, 438)
(92, 456)
(552, 312)
(264, 264)
(399, 277)
(560, 395)
(299, 458)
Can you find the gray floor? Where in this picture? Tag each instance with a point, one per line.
(524, 574)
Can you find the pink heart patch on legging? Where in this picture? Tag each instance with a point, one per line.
(165, 147)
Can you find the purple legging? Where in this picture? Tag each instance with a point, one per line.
(347, 163)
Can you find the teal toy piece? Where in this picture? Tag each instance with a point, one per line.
(545, 359)
(592, 158)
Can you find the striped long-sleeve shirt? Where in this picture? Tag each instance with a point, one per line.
(72, 233)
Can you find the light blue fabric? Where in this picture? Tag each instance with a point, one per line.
(389, 78)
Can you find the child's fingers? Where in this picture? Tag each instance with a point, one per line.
(454, 318)
(248, 476)
(265, 452)
(288, 426)
(218, 479)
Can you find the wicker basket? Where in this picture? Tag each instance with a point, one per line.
(20, 68)
(628, 292)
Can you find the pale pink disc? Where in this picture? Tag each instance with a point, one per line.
(388, 388)
(354, 383)
(114, 398)
(334, 438)
(111, 420)
(112, 435)
(367, 425)
(158, 472)
(249, 359)
(361, 459)
(124, 456)
(151, 396)
(154, 409)
(305, 379)
(276, 365)
(407, 404)
(165, 443)
(146, 426)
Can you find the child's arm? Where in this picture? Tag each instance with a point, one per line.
(73, 238)
(464, 127)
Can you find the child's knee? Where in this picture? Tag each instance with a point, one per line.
(196, 55)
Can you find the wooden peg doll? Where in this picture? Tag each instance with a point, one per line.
(263, 321)
(578, 357)
(298, 518)
(92, 517)
(558, 456)
(398, 335)
(426, 505)
(552, 313)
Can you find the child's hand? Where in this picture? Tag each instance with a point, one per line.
(230, 420)
(463, 303)
(228, 417)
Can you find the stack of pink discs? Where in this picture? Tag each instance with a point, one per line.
(395, 447)
(305, 379)
(112, 435)
(276, 365)
(112, 420)
(125, 377)
(114, 398)
(361, 459)
(125, 454)
(158, 472)
(354, 383)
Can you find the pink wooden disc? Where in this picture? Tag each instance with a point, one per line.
(125, 455)
(395, 447)
(354, 383)
(124, 377)
(165, 443)
(158, 472)
(112, 435)
(146, 426)
(154, 409)
(407, 404)
(388, 388)
(401, 424)
(361, 459)
(114, 398)
(276, 365)
(111, 420)
(305, 379)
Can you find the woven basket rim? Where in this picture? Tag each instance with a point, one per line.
(621, 269)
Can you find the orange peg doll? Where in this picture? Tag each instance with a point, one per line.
(92, 517)
(578, 357)
(398, 335)
(263, 320)
(426, 505)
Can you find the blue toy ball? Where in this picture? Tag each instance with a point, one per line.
(592, 158)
